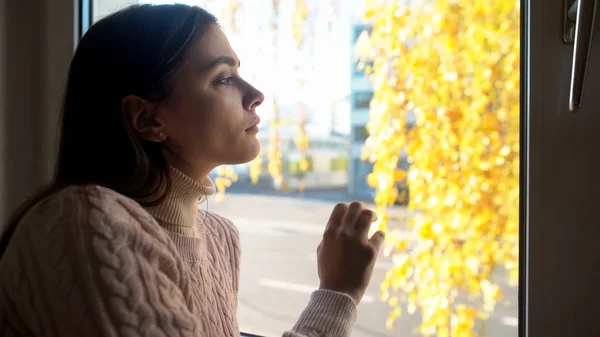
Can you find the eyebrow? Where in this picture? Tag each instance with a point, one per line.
(222, 60)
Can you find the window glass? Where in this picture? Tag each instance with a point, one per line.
(438, 84)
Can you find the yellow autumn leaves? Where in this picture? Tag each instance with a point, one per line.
(225, 177)
(453, 67)
(301, 140)
(298, 20)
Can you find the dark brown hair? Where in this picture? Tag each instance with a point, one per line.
(136, 51)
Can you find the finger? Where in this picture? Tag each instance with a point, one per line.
(335, 219)
(366, 218)
(377, 240)
(352, 214)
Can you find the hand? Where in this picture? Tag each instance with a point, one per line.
(346, 255)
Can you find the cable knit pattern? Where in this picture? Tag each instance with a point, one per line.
(88, 261)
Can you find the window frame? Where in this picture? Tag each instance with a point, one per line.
(524, 168)
(85, 16)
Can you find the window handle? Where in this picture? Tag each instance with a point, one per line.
(580, 16)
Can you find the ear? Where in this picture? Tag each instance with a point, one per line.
(141, 115)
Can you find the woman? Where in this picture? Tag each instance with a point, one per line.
(116, 246)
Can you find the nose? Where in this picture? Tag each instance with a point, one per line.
(253, 98)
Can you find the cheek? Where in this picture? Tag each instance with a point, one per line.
(213, 122)
(187, 125)
(208, 121)
(223, 115)
(197, 110)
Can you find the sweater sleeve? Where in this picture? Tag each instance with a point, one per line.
(84, 263)
(328, 314)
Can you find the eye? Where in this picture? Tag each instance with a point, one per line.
(225, 81)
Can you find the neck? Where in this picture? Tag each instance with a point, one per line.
(178, 211)
(195, 170)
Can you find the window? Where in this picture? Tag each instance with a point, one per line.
(294, 168)
(360, 134)
(283, 227)
(361, 100)
(339, 164)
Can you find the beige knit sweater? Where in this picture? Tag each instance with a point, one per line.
(88, 261)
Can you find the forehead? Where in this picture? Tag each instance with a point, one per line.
(212, 44)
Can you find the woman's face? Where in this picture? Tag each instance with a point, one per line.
(210, 118)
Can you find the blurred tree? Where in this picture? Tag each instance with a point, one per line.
(225, 177)
(299, 21)
(274, 148)
(229, 12)
(453, 66)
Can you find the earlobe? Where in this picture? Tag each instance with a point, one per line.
(141, 116)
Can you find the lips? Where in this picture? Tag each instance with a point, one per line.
(255, 124)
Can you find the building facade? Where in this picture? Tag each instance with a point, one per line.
(361, 93)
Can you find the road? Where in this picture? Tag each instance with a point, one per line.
(279, 237)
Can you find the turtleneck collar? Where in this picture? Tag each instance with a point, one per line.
(177, 213)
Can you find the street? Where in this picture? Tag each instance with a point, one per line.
(279, 237)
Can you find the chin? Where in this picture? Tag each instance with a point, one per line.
(253, 152)
(250, 151)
